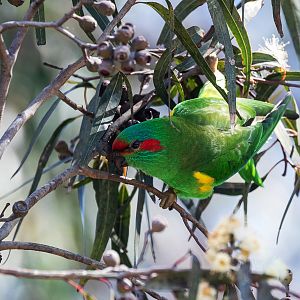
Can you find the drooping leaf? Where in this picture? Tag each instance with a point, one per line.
(182, 10)
(257, 58)
(105, 112)
(86, 125)
(122, 223)
(296, 188)
(161, 69)
(190, 46)
(238, 30)
(291, 10)
(37, 133)
(40, 33)
(224, 38)
(276, 16)
(138, 220)
(195, 278)
(106, 195)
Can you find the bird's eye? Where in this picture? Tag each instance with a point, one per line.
(135, 144)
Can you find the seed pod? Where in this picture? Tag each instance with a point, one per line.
(106, 68)
(122, 53)
(106, 8)
(128, 66)
(111, 258)
(124, 34)
(159, 223)
(124, 285)
(139, 43)
(61, 147)
(16, 2)
(105, 50)
(87, 23)
(142, 57)
(93, 63)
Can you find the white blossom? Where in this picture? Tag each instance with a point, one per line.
(276, 48)
(221, 262)
(206, 292)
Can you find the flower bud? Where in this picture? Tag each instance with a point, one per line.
(105, 50)
(106, 8)
(287, 279)
(124, 34)
(124, 285)
(128, 66)
(87, 23)
(142, 57)
(111, 258)
(159, 223)
(139, 43)
(61, 147)
(93, 63)
(122, 53)
(106, 68)
(16, 2)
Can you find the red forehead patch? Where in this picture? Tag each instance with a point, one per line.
(151, 145)
(119, 145)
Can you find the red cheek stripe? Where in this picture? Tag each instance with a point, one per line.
(119, 145)
(151, 145)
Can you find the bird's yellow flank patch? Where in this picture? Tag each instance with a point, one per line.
(205, 181)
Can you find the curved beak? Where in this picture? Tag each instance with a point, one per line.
(118, 160)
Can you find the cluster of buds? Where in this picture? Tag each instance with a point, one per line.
(16, 2)
(122, 51)
(63, 150)
(230, 244)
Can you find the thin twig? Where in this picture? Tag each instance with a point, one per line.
(9, 245)
(72, 104)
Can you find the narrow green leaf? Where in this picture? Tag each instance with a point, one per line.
(291, 10)
(257, 58)
(40, 127)
(36, 134)
(276, 16)
(159, 79)
(86, 125)
(224, 38)
(182, 10)
(105, 112)
(106, 195)
(237, 28)
(44, 157)
(190, 46)
(138, 221)
(122, 223)
(249, 173)
(195, 278)
(40, 33)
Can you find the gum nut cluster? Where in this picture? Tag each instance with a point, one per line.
(16, 2)
(127, 53)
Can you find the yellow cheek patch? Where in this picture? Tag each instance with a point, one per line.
(202, 178)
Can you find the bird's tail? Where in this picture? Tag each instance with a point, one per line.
(272, 119)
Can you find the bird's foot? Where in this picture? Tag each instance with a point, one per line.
(169, 199)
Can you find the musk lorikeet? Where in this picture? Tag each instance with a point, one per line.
(195, 149)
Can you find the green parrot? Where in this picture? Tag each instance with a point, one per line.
(195, 149)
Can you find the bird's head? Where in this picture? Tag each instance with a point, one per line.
(141, 146)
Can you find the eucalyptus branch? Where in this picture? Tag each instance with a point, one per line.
(11, 55)
(49, 91)
(72, 104)
(97, 174)
(10, 245)
(32, 199)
